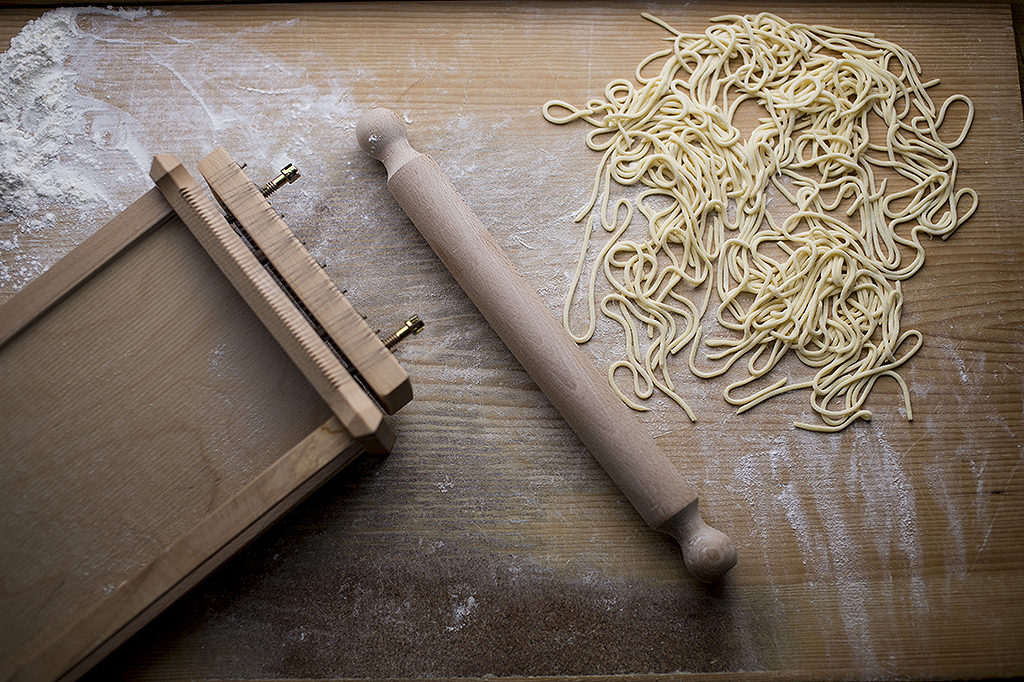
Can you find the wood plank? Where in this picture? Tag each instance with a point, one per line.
(50, 288)
(193, 556)
(888, 551)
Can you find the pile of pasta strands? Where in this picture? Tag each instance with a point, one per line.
(824, 283)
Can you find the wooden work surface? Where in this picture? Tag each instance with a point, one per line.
(489, 542)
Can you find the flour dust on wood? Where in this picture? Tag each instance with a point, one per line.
(76, 144)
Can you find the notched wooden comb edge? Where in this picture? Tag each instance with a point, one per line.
(366, 355)
(285, 295)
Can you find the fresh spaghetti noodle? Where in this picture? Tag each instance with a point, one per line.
(848, 135)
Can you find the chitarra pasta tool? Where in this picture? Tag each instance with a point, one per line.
(167, 391)
(614, 437)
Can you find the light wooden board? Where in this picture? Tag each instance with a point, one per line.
(489, 542)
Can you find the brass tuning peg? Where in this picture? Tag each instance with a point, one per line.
(412, 326)
(288, 175)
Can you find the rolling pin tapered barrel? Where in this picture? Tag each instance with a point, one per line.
(570, 381)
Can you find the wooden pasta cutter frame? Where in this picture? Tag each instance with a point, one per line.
(150, 426)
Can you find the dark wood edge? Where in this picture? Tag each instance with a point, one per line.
(85, 260)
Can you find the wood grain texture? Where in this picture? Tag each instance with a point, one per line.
(52, 286)
(284, 321)
(377, 367)
(129, 414)
(88, 638)
(488, 542)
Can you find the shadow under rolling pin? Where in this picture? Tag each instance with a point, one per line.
(573, 385)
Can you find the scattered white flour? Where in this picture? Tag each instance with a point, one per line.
(41, 117)
(76, 145)
(827, 491)
(461, 611)
(954, 354)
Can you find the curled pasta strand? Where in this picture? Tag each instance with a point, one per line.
(849, 141)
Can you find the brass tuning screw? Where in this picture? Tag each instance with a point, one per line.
(412, 326)
(288, 175)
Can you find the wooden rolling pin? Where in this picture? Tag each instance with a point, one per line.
(578, 391)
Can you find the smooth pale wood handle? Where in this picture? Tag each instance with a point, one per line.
(577, 390)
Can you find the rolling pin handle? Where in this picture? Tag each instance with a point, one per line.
(381, 134)
(707, 552)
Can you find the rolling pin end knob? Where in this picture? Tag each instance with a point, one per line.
(708, 553)
(381, 133)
